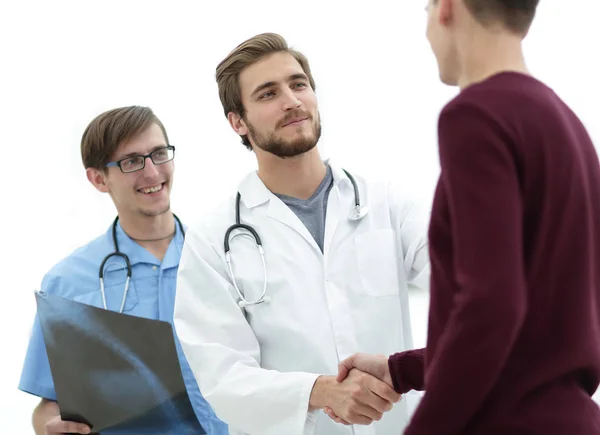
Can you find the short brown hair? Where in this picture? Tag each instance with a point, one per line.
(108, 130)
(244, 55)
(515, 15)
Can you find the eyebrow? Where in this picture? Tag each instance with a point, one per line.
(298, 76)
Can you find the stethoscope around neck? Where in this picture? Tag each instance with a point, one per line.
(118, 253)
(357, 213)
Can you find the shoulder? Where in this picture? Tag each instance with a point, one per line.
(474, 118)
(212, 224)
(78, 271)
(501, 99)
(475, 104)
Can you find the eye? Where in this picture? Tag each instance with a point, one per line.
(131, 162)
(266, 95)
(299, 85)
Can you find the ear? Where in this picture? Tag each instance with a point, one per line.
(446, 11)
(98, 179)
(237, 123)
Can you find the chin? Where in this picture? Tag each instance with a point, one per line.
(447, 72)
(448, 82)
(448, 79)
(298, 139)
(156, 210)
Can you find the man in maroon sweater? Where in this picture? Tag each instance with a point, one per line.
(514, 324)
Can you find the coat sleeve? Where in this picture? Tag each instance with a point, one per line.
(224, 353)
(410, 218)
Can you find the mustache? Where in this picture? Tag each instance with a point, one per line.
(293, 115)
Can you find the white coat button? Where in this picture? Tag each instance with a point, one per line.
(154, 267)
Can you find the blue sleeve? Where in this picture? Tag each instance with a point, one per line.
(36, 377)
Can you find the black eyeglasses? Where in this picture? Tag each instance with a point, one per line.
(137, 163)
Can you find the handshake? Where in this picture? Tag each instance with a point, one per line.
(360, 394)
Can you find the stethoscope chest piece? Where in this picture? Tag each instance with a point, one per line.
(358, 212)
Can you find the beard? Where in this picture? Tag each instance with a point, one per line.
(286, 148)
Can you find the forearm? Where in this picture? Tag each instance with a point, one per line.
(43, 412)
(256, 400)
(468, 360)
(225, 355)
(407, 370)
(244, 395)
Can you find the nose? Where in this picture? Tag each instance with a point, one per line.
(290, 100)
(150, 168)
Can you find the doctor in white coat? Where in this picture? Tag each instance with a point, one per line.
(336, 279)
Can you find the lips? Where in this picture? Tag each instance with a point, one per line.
(149, 190)
(293, 121)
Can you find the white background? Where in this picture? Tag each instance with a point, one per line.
(62, 63)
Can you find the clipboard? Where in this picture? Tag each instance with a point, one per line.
(115, 371)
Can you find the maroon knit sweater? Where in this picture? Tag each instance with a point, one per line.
(513, 343)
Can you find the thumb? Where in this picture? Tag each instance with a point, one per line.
(344, 368)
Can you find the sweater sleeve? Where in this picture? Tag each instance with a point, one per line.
(407, 370)
(480, 180)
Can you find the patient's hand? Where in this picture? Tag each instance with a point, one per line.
(375, 365)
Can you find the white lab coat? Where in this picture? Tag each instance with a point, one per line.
(257, 366)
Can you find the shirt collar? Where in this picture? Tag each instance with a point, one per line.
(254, 192)
(173, 254)
(138, 254)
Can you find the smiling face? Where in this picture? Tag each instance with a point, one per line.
(281, 114)
(145, 192)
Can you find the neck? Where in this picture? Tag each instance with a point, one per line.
(151, 232)
(489, 53)
(297, 176)
(142, 227)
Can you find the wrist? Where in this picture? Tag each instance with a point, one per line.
(387, 376)
(382, 370)
(409, 370)
(319, 396)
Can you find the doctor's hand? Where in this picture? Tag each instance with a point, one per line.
(359, 399)
(57, 426)
(376, 365)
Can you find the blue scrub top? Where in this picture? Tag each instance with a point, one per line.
(151, 295)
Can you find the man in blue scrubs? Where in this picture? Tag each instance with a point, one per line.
(126, 154)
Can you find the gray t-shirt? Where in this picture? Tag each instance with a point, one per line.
(312, 211)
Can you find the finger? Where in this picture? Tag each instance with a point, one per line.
(383, 390)
(60, 426)
(334, 417)
(361, 413)
(346, 365)
(376, 402)
(340, 421)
